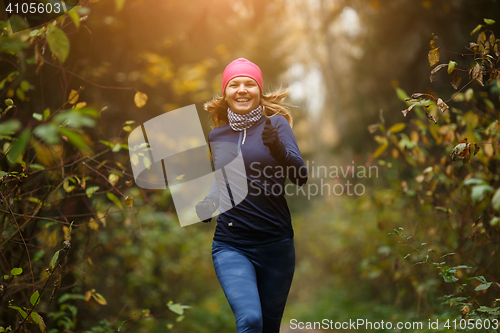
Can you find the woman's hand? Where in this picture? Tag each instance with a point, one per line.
(205, 209)
(270, 137)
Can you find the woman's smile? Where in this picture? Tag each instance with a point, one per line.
(242, 94)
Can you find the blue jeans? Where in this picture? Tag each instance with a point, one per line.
(256, 281)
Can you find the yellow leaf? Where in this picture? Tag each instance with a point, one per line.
(101, 216)
(380, 150)
(147, 162)
(73, 96)
(397, 127)
(434, 57)
(134, 159)
(67, 187)
(88, 295)
(140, 99)
(99, 298)
(113, 179)
(67, 236)
(80, 105)
(93, 225)
(129, 201)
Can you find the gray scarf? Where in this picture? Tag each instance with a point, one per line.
(239, 122)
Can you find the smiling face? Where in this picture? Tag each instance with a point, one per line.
(242, 94)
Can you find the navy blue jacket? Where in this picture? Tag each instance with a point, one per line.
(263, 216)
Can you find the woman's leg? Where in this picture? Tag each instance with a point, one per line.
(237, 277)
(274, 271)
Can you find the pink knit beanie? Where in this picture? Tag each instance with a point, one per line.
(241, 67)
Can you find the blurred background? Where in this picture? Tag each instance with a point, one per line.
(417, 240)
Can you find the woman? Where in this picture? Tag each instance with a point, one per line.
(253, 250)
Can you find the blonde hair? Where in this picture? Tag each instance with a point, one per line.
(272, 104)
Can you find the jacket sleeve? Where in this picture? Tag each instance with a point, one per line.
(214, 194)
(289, 156)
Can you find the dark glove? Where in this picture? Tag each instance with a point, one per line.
(271, 139)
(205, 209)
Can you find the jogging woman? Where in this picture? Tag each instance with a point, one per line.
(253, 250)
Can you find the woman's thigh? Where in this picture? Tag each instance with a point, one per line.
(236, 274)
(274, 273)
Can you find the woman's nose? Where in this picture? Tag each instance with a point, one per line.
(241, 88)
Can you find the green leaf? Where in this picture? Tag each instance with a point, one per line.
(19, 146)
(489, 21)
(121, 325)
(75, 139)
(53, 261)
(16, 271)
(107, 143)
(483, 286)
(67, 297)
(48, 132)
(10, 127)
(91, 190)
(21, 311)
(476, 29)
(111, 196)
(480, 191)
(46, 113)
(483, 308)
(35, 298)
(39, 321)
(25, 85)
(495, 201)
(451, 66)
(73, 13)
(461, 267)
(474, 181)
(58, 42)
(76, 118)
(479, 278)
(36, 166)
(177, 308)
(37, 116)
(401, 94)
